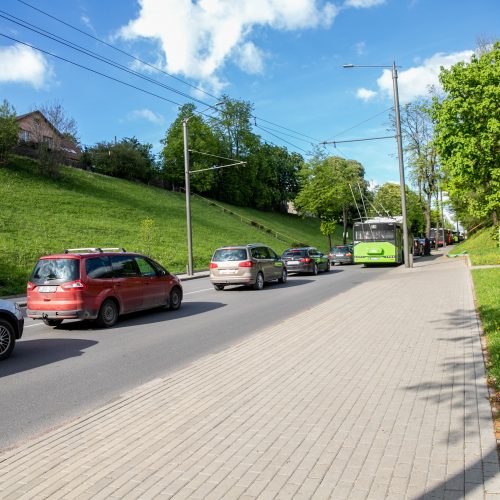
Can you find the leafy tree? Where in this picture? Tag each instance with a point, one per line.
(327, 189)
(468, 133)
(387, 201)
(9, 129)
(127, 159)
(200, 138)
(421, 155)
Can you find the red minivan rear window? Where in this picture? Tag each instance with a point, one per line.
(55, 271)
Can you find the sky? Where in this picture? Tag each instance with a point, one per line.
(283, 56)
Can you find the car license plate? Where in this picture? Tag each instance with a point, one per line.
(228, 271)
(292, 263)
(47, 289)
(339, 255)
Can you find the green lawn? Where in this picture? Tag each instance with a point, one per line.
(39, 216)
(487, 288)
(481, 247)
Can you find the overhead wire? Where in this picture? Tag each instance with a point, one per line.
(152, 66)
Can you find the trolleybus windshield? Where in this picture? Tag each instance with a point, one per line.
(374, 232)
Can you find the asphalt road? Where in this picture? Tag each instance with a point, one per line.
(56, 375)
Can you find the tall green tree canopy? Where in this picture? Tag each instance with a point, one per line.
(387, 201)
(327, 188)
(468, 133)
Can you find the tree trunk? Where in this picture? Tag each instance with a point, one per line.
(437, 224)
(344, 219)
(428, 216)
(329, 242)
(494, 216)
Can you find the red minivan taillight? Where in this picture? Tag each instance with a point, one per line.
(246, 263)
(213, 265)
(306, 260)
(30, 286)
(73, 285)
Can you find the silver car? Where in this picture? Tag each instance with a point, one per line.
(250, 265)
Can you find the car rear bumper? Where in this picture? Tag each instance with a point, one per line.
(70, 314)
(232, 281)
(302, 268)
(342, 260)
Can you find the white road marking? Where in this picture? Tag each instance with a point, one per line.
(199, 291)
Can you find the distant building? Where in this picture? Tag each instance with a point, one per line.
(34, 129)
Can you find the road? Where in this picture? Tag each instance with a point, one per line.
(56, 375)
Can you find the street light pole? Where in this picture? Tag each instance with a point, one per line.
(406, 246)
(188, 197)
(188, 188)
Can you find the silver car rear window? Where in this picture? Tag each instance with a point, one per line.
(231, 254)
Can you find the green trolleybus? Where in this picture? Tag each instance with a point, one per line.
(378, 241)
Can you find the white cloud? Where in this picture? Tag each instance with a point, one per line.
(360, 48)
(197, 39)
(363, 4)
(146, 114)
(22, 64)
(365, 94)
(415, 82)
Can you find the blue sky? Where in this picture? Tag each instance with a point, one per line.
(284, 56)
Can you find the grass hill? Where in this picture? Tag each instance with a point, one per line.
(40, 215)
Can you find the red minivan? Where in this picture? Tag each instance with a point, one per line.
(98, 284)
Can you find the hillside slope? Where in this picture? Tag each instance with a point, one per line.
(40, 216)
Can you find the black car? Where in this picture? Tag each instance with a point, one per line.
(305, 260)
(11, 327)
(341, 254)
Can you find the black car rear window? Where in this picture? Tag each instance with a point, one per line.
(295, 253)
(231, 254)
(56, 271)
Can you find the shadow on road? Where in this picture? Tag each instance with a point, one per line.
(148, 317)
(30, 354)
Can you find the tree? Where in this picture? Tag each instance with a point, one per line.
(387, 201)
(201, 138)
(50, 155)
(418, 135)
(127, 159)
(327, 188)
(9, 129)
(468, 133)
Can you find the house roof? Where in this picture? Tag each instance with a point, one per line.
(40, 114)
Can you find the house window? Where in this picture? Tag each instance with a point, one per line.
(47, 140)
(24, 135)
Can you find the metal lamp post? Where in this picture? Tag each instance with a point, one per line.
(188, 189)
(406, 247)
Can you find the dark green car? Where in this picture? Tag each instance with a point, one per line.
(305, 260)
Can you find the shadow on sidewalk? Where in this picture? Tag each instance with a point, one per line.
(474, 478)
(30, 354)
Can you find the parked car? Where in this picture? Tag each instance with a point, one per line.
(305, 260)
(418, 246)
(98, 284)
(11, 327)
(341, 254)
(251, 265)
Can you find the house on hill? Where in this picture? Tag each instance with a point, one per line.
(35, 129)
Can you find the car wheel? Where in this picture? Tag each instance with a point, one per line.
(284, 277)
(7, 339)
(219, 288)
(259, 282)
(52, 322)
(175, 299)
(108, 314)
(327, 268)
(315, 269)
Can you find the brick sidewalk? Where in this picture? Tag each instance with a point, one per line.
(376, 393)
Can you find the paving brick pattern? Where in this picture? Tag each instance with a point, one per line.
(379, 392)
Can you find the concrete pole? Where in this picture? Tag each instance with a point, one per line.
(188, 198)
(406, 248)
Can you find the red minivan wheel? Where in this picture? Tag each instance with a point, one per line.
(108, 314)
